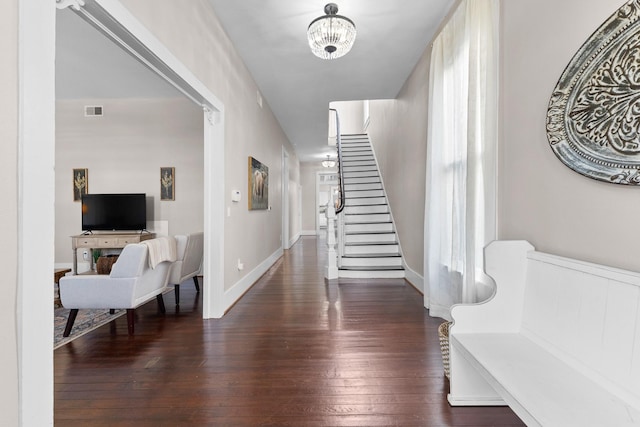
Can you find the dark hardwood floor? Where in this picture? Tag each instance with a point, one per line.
(294, 351)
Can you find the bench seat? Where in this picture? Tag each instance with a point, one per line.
(559, 341)
(539, 386)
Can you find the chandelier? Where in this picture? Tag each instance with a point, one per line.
(331, 36)
(328, 163)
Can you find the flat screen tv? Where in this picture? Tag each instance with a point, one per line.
(114, 212)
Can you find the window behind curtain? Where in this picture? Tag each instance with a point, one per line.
(461, 158)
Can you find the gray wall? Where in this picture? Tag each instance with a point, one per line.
(123, 152)
(540, 199)
(398, 131)
(196, 37)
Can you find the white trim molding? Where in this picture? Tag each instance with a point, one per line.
(293, 240)
(231, 296)
(308, 233)
(416, 280)
(74, 4)
(35, 207)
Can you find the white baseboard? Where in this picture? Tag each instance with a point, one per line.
(414, 278)
(63, 265)
(231, 296)
(308, 233)
(475, 401)
(294, 239)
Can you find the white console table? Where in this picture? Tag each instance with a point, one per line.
(104, 241)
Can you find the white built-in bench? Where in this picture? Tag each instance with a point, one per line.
(559, 342)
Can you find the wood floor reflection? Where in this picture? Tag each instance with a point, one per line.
(295, 351)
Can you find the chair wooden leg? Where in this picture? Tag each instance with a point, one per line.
(195, 281)
(176, 288)
(131, 316)
(70, 320)
(161, 303)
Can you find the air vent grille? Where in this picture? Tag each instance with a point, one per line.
(93, 110)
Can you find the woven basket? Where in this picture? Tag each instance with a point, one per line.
(443, 334)
(104, 264)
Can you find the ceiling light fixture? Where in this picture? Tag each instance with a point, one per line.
(331, 36)
(328, 163)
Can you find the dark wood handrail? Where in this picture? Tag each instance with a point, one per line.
(340, 172)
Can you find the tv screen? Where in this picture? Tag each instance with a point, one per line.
(114, 212)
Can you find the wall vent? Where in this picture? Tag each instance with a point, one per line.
(93, 110)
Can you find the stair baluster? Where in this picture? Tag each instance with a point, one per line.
(331, 271)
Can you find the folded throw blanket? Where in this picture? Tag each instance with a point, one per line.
(160, 249)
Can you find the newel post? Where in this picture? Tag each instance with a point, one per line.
(332, 261)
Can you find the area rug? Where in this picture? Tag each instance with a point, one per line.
(86, 321)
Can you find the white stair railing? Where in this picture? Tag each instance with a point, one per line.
(341, 237)
(339, 204)
(331, 272)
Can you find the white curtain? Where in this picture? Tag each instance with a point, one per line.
(460, 211)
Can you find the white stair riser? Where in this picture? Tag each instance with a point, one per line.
(366, 174)
(358, 157)
(355, 149)
(370, 238)
(366, 201)
(355, 274)
(377, 209)
(363, 180)
(347, 141)
(356, 144)
(369, 218)
(370, 169)
(368, 228)
(372, 262)
(348, 165)
(360, 187)
(365, 193)
(356, 152)
(372, 250)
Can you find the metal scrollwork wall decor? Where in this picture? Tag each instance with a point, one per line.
(593, 119)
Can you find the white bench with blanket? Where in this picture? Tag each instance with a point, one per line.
(559, 342)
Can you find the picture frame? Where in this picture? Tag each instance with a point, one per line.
(167, 183)
(258, 179)
(80, 183)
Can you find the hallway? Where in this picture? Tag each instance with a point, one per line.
(294, 351)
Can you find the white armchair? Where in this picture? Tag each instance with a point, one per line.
(132, 282)
(189, 250)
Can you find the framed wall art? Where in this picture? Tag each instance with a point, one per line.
(258, 185)
(80, 183)
(593, 118)
(167, 183)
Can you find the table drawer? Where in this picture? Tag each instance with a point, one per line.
(124, 241)
(86, 242)
(107, 242)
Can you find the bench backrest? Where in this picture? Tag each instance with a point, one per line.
(589, 315)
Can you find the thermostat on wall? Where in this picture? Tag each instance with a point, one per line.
(236, 196)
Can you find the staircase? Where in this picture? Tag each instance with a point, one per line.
(370, 246)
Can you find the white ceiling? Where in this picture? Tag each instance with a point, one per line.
(270, 36)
